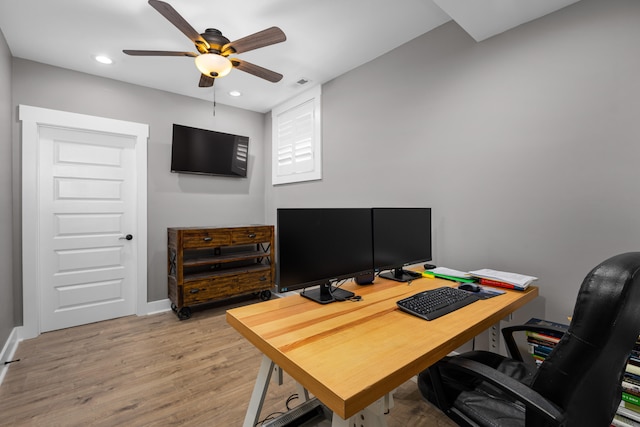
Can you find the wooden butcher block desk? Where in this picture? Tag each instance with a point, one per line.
(351, 354)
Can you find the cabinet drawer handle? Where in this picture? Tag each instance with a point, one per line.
(207, 239)
(262, 279)
(252, 235)
(194, 291)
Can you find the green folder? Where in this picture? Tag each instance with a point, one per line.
(455, 279)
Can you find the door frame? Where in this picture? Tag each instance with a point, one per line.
(32, 119)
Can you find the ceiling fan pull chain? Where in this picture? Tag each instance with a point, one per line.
(214, 101)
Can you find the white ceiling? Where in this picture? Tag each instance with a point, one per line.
(324, 38)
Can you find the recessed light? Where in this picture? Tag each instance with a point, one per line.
(104, 59)
(235, 93)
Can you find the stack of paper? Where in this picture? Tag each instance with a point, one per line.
(450, 274)
(503, 279)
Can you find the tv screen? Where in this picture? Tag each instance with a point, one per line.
(401, 236)
(320, 246)
(208, 152)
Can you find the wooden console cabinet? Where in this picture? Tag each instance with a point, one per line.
(213, 263)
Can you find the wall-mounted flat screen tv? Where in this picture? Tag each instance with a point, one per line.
(208, 152)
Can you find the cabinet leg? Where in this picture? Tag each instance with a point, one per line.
(184, 313)
(265, 295)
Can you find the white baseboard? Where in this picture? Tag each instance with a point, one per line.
(159, 306)
(8, 350)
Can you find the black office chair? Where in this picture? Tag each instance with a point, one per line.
(579, 382)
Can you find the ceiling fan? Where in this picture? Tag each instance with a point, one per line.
(214, 49)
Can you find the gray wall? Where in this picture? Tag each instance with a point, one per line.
(173, 199)
(525, 145)
(7, 320)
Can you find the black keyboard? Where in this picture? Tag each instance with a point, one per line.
(437, 302)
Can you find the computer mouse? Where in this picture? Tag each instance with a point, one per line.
(472, 287)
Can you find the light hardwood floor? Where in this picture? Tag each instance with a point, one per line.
(154, 371)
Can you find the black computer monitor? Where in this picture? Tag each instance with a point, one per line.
(319, 246)
(401, 236)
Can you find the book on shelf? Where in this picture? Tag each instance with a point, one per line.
(518, 281)
(548, 337)
(628, 412)
(629, 409)
(632, 378)
(543, 337)
(628, 397)
(633, 369)
(547, 344)
(632, 394)
(538, 359)
(620, 420)
(630, 387)
(539, 350)
(541, 344)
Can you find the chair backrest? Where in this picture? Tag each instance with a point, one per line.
(583, 374)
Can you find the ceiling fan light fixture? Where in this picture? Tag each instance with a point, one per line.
(211, 64)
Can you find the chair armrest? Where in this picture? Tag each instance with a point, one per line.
(529, 397)
(510, 342)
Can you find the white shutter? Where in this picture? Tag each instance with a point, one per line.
(297, 139)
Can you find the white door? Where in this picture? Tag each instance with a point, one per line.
(86, 210)
(83, 193)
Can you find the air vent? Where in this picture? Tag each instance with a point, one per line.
(311, 412)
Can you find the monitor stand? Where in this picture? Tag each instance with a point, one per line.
(326, 293)
(400, 275)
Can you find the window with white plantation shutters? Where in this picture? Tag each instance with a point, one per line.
(297, 139)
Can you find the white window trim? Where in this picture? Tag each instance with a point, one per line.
(284, 175)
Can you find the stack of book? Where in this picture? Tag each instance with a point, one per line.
(625, 417)
(628, 413)
(541, 344)
(629, 410)
(503, 279)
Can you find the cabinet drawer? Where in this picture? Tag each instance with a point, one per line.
(208, 289)
(255, 280)
(217, 287)
(250, 235)
(205, 238)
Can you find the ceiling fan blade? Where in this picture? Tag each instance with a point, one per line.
(206, 81)
(256, 70)
(158, 53)
(260, 39)
(180, 23)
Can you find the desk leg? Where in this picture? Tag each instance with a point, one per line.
(303, 393)
(259, 392)
(371, 416)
